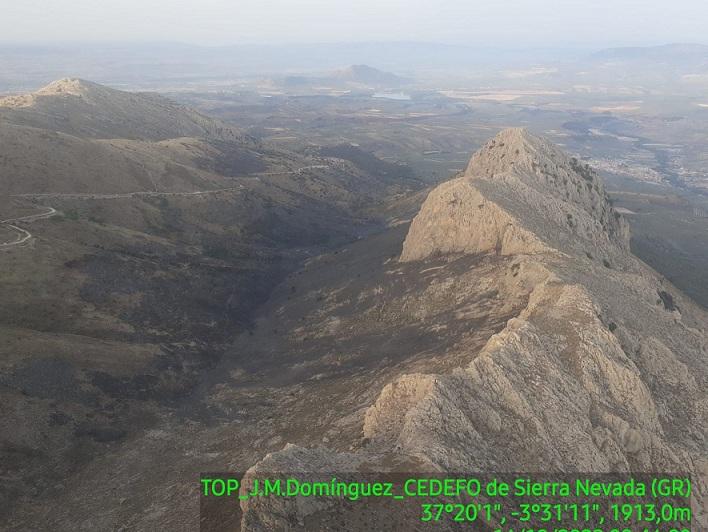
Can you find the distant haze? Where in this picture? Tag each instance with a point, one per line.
(508, 23)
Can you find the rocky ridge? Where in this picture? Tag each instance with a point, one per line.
(604, 370)
(519, 194)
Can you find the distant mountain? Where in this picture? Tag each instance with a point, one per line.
(367, 75)
(75, 136)
(166, 64)
(672, 67)
(86, 109)
(664, 53)
(355, 75)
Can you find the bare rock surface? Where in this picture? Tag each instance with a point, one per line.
(519, 194)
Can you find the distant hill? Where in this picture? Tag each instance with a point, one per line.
(367, 162)
(35, 160)
(86, 109)
(667, 52)
(356, 75)
(672, 67)
(75, 136)
(369, 76)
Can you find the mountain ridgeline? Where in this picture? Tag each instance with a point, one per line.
(86, 109)
(602, 368)
(519, 194)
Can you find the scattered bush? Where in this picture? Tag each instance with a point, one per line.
(216, 251)
(668, 301)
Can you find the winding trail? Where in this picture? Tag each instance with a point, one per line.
(59, 195)
(24, 235)
(89, 196)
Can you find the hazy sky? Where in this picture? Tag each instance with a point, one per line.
(508, 23)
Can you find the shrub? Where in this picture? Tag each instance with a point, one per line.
(668, 301)
(216, 251)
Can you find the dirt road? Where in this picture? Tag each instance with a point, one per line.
(23, 234)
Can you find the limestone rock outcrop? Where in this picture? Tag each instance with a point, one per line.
(519, 194)
(596, 374)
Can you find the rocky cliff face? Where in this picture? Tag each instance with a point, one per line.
(519, 194)
(604, 370)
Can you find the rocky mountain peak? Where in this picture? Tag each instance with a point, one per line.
(85, 109)
(515, 150)
(544, 168)
(519, 194)
(539, 163)
(67, 86)
(56, 89)
(505, 150)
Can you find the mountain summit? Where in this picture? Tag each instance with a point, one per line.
(86, 109)
(368, 75)
(70, 86)
(519, 194)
